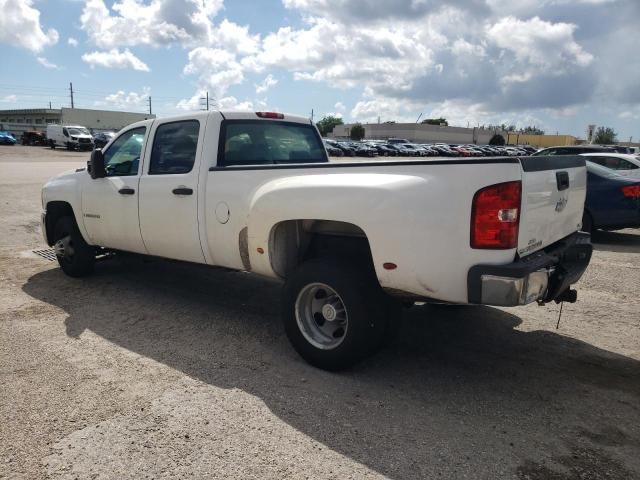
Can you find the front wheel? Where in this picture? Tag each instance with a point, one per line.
(75, 256)
(332, 313)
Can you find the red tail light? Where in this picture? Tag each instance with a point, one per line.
(279, 116)
(495, 216)
(631, 191)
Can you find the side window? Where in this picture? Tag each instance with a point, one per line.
(598, 160)
(123, 155)
(65, 132)
(626, 165)
(174, 148)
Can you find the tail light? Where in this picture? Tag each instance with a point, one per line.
(279, 116)
(631, 191)
(495, 216)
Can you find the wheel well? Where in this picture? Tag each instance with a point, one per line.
(295, 241)
(55, 211)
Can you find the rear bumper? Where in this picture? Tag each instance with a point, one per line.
(543, 276)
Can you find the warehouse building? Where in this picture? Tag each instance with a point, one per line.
(18, 121)
(422, 133)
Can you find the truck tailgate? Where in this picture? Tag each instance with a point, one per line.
(553, 194)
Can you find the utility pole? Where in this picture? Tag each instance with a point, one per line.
(205, 99)
(312, 115)
(49, 104)
(71, 91)
(150, 105)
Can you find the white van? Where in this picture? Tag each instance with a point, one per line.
(72, 137)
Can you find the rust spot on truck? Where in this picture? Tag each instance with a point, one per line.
(243, 246)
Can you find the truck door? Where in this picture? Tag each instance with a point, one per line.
(168, 191)
(110, 204)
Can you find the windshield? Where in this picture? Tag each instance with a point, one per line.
(78, 131)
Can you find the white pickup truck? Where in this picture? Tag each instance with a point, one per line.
(351, 241)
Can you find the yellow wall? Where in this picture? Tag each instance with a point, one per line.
(540, 140)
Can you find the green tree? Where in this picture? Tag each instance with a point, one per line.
(357, 132)
(497, 139)
(435, 121)
(328, 123)
(605, 136)
(532, 130)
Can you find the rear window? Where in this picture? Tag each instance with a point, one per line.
(261, 142)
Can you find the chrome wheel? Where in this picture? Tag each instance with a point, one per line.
(321, 316)
(64, 247)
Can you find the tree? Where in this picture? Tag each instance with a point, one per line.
(532, 130)
(328, 123)
(497, 139)
(435, 121)
(605, 136)
(357, 132)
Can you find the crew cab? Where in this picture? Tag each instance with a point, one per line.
(351, 241)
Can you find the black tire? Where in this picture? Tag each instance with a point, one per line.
(79, 260)
(587, 222)
(363, 300)
(52, 144)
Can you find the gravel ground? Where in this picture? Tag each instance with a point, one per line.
(156, 369)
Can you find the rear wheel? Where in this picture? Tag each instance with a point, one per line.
(75, 256)
(333, 313)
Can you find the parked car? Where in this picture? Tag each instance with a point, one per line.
(573, 150)
(346, 150)
(34, 138)
(397, 140)
(7, 139)
(102, 138)
(72, 137)
(623, 164)
(613, 201)
(342, 237)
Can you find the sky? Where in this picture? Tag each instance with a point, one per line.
(556, 64)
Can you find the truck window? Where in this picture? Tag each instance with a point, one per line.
(260, 142)
(123, 155)
(174, 148)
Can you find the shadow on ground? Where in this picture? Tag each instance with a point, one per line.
(459, 382)
(617, 241)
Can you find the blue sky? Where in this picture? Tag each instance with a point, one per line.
(557, 64)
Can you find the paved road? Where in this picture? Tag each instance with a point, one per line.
(155, 369)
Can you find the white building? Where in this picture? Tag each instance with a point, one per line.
(18, 121)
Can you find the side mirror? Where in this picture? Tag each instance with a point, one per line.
(96, 165)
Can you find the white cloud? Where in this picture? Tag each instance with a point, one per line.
(339, 106)
(20, 26)
(114, 58)
(72, 41)
(157, 22)
(539, 43)
(126, 100)
(9, 99)
(266, 84)
(216, 69)
(46, 63)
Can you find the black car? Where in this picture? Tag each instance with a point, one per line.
(102, 138)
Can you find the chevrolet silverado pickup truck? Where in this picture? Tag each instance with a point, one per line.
(351, 241)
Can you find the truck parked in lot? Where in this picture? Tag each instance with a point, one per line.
(352, 242)
(71, 137)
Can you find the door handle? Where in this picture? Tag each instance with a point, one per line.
(182, 191)
(126, 191)
(562, 180)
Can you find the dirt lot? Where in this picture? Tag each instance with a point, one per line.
(163, 370)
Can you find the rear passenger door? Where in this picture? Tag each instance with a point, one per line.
(168, 190)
